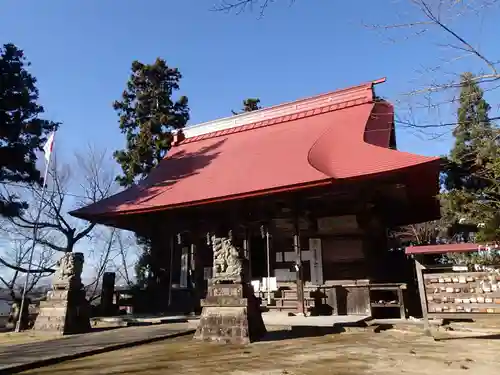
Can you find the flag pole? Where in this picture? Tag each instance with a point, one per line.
(35, 232)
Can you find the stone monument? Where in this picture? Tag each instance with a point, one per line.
(231, 312)
(15, 315)
(66, 310)
(107, 307)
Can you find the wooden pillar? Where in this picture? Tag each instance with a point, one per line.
(247, 253)
(159, 278)
(298, 267)
(268, 258)
(171, 252)
(423, 300)
(196, 274)
(192, 266)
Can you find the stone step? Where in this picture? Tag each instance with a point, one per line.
(53, 303)
(264, 302)
(292, 294)
(308, 302)
(289, 294)
(282, 308)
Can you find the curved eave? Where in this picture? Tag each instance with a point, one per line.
(104, 217)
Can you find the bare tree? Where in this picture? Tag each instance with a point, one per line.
(427, 233)
(239, 6)
(101, 257)
(90, 179)
(126, 244)
(13, 267)
(453, 46)
(443, 25)
(421, 18)
(111, 250)
(443, 17)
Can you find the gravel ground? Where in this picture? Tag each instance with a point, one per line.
(389, 352)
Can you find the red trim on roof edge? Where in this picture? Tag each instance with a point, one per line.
(234, 197)
(206, 201)
(380, 80)
(442, 249)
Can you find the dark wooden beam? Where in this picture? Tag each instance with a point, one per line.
(297, 208)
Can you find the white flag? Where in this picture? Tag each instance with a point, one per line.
(47, 149)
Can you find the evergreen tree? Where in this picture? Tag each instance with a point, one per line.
(148, 117)
(249, 105)
(22, 130)
(471, 179)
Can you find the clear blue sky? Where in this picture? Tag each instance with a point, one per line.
(81, 53)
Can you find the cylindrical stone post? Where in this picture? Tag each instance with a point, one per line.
(107, 292)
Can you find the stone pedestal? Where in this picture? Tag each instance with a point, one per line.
(66, 309)
(231, 314)
(65, 312)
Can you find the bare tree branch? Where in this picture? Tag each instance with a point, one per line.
(84, 233)
(419, 234)
(439, 21)
(96, 183)
(17, 265)
(102, 264)
(125, 243)
(56, 231)
(466, 46)
(240, 6)
(25, 270)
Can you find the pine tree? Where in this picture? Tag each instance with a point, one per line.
(249, 105)
(22, 130)
(148, 117)
(471, 175)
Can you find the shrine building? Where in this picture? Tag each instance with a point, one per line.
(308, 190)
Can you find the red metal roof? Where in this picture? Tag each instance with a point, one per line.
(335, 136)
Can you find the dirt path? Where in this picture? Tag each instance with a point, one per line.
(29, 355)
(386, 353)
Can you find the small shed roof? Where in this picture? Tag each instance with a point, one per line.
(444, 248)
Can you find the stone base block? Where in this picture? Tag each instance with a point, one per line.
(224, 324)
(64, 312)
(230, 315)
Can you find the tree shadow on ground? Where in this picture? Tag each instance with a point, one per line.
(103, 329)
(297, 332)
(495, 336)
(179, 166)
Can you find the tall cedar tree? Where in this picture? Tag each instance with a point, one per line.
(471, 175)
(22, 131)
(148, 117)
(249, 105)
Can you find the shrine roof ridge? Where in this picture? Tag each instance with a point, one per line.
(337, 99)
